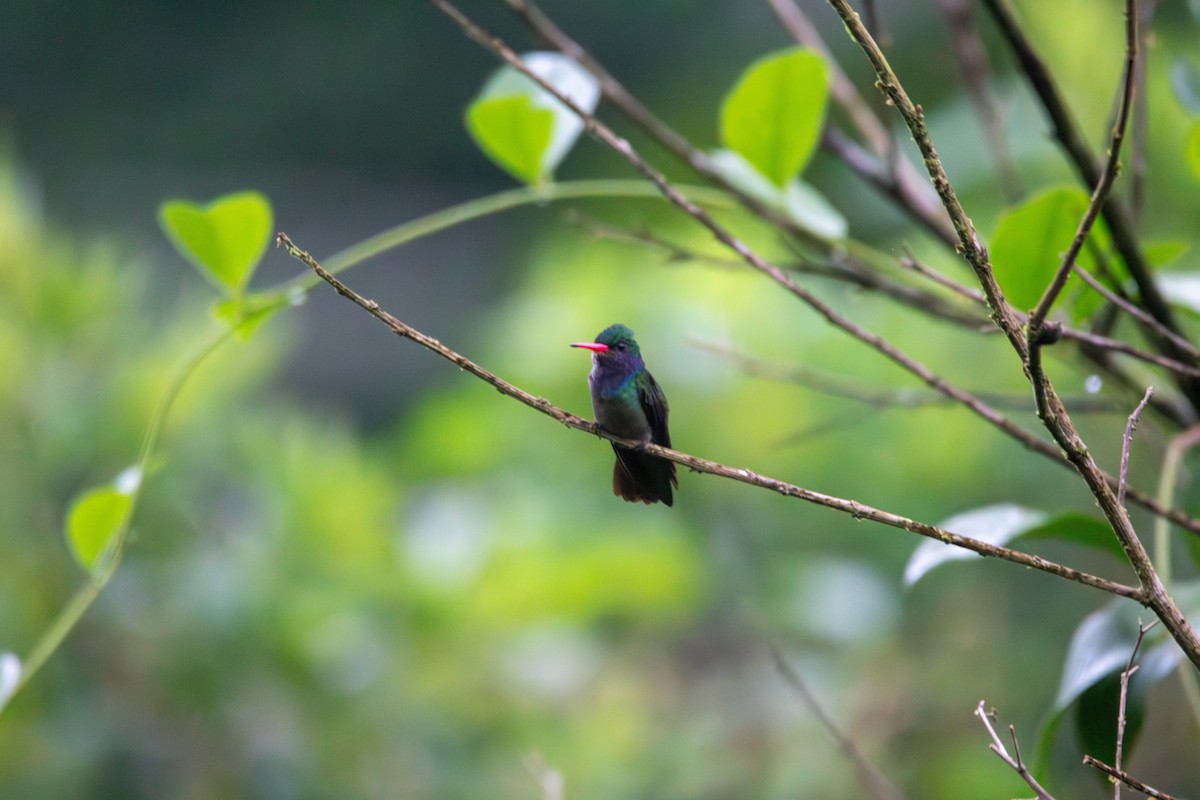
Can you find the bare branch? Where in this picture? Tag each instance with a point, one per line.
(1126, 674)
(1126, 441)
(1017, 763)
(870, 777)
(845, 270)
(972, 63)
(1127, 779)
(852, 507)
(837, 386)
(914, 117)
(1185, 347)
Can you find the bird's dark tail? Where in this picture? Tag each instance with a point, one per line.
(642, 478)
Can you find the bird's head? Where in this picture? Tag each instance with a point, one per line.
(614, 347)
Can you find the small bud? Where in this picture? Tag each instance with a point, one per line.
(1048, 332)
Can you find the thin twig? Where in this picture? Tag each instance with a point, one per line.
(1017, 763)
(1103, 185)
(841, 88)
(1126, 441)
(837, 386)
(854, 508)
(1126, 674)
(1185, 347)
(844, 270)
(911, 262)
(973, 64)
(1127, 779)
(871, 778)
(602, 133)
(1137, 160)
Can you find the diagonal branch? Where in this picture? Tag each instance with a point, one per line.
(871, 778)
(1016, 763)
(852, 507)
(1127, 779)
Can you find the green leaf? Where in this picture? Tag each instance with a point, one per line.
(1191, 149)
(514, 133)
(774, 114)
(1099, 650)
(521, 127)
(1002, 524)
(93, 522)
(1030, 240)
(1159, 254)
(798, 201)
(225, 239)
(1096, 716)
(1080, 529)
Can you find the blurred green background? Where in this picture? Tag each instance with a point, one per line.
(356, 572)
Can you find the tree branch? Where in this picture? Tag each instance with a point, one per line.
(1017, 763)
(973, 64)
(1127, 441)
(1126, 674)
(1127, 779)
(870, 777)
(852, 507)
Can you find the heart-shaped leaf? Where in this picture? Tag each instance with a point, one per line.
(521, 127)
(773, 115)
(96, 517)
(225, 239)
(514, 133)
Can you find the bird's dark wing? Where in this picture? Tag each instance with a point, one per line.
(654, 405)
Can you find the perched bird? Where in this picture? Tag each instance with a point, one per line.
(628, 402)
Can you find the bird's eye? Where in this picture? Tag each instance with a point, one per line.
(622, 346)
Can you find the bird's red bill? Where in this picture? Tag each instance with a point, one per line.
(595, 347)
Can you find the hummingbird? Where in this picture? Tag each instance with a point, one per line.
(628, 403)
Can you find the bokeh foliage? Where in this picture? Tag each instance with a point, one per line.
(309, 610)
